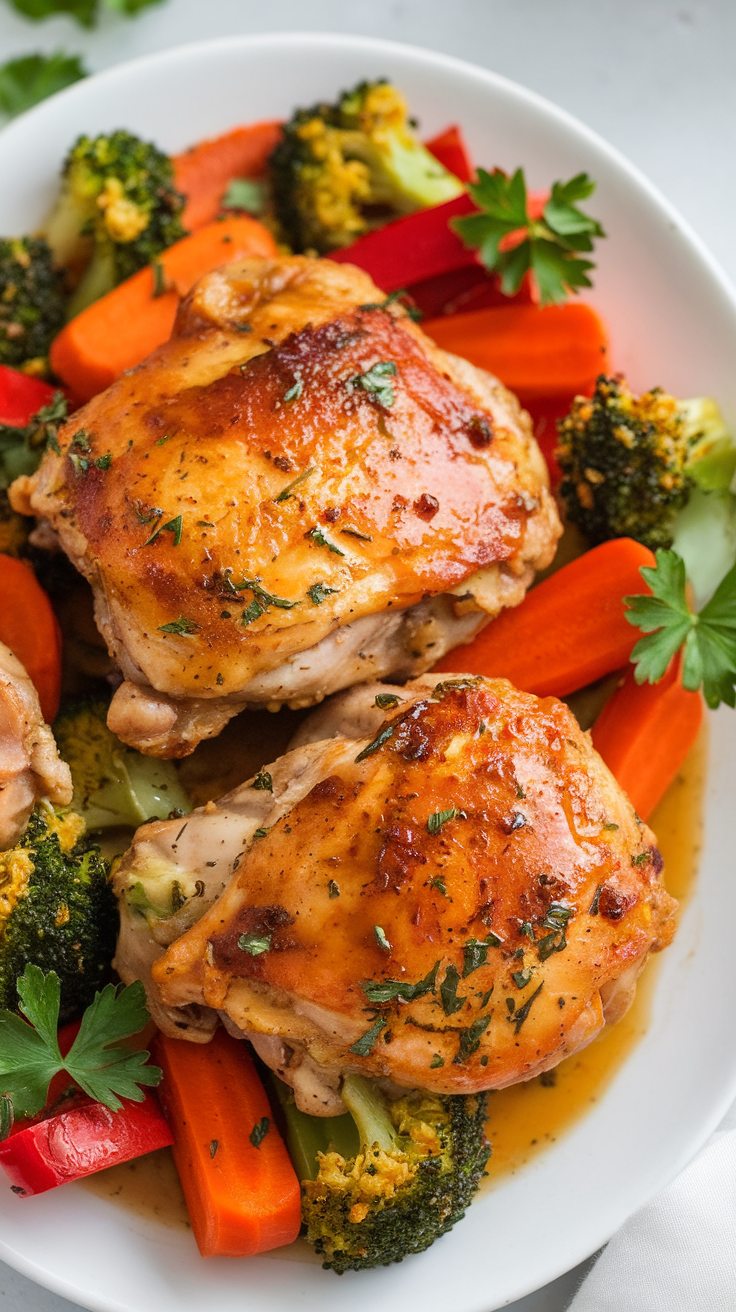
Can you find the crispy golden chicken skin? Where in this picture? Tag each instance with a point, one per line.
(457, 902)
(277, 503)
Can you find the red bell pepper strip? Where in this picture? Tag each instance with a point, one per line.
(21, 396)
(81, 1141)
(450, 149)
(422, 245)
(417, 246)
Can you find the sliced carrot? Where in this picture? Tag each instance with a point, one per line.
(568, 631)
(29, 628)
(645, 732)
(203, 172)
(242, 1198)
(124, 326)
(535, 351)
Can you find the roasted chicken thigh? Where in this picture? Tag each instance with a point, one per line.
(456, 899)
(30, 768)
(296, 493)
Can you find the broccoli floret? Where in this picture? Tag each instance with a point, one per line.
(57, 910)
(341, 170)
(390, 1178)
(118, 209)
(630, 462)
(32, 302)
(21, 450)
(113, 784)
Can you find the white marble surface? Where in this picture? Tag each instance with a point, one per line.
(656, 77)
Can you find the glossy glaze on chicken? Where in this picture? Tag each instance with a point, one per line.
(455, 900)
(296, 493)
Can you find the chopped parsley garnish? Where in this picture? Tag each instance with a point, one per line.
(440, 818)
(260, 833)
(259, 1131)
(707, 637)
(521, 978)
(294, 392)
(184, 627)
(97, 1061)
(319, 592)
(374, 380)
(378, 742)
(549, 246)
(263, 782)
(436, 1062)
(363, 1046)
(353, 533)
(318, 536)
(470, 1039)
(399, 296)
(103, 462)
(386, 699)
(254, 944)
(556, 921)
(252, 612)
(476, 953)
(381, 939)
(333, 889)
(439, 883)
(295, 482)
(174, 526)
(448, 992)
(160, 282)
(163, 439)
(520, 1016)
(388, 990)
(593, 908)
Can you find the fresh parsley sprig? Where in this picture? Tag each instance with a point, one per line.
(28, 80)
(97, 1061)
(707, 637)
(550, 246)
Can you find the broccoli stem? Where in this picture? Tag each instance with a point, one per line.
(307, 1136)
(367, 1106)
(98, 278)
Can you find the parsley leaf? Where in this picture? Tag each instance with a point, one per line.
(707, 637)
(245, 194)
(364, 1045)
(440, 818)
(387, 990)
(548, 245)
(318, 536)
(259, 1131)
(182, 626)
(26, 81)
(318, 593)
(374, 381)
(254, 944)
(97, 1061)
(86, 12)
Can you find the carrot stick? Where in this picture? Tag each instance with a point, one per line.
(645, 732)
(568, 631)
(535, 351)
(29, 628)
(203, 172)
(123, 327)
(242, 1199)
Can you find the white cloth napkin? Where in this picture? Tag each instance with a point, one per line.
(678, 1254)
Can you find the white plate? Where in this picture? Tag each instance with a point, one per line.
(672, 317)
